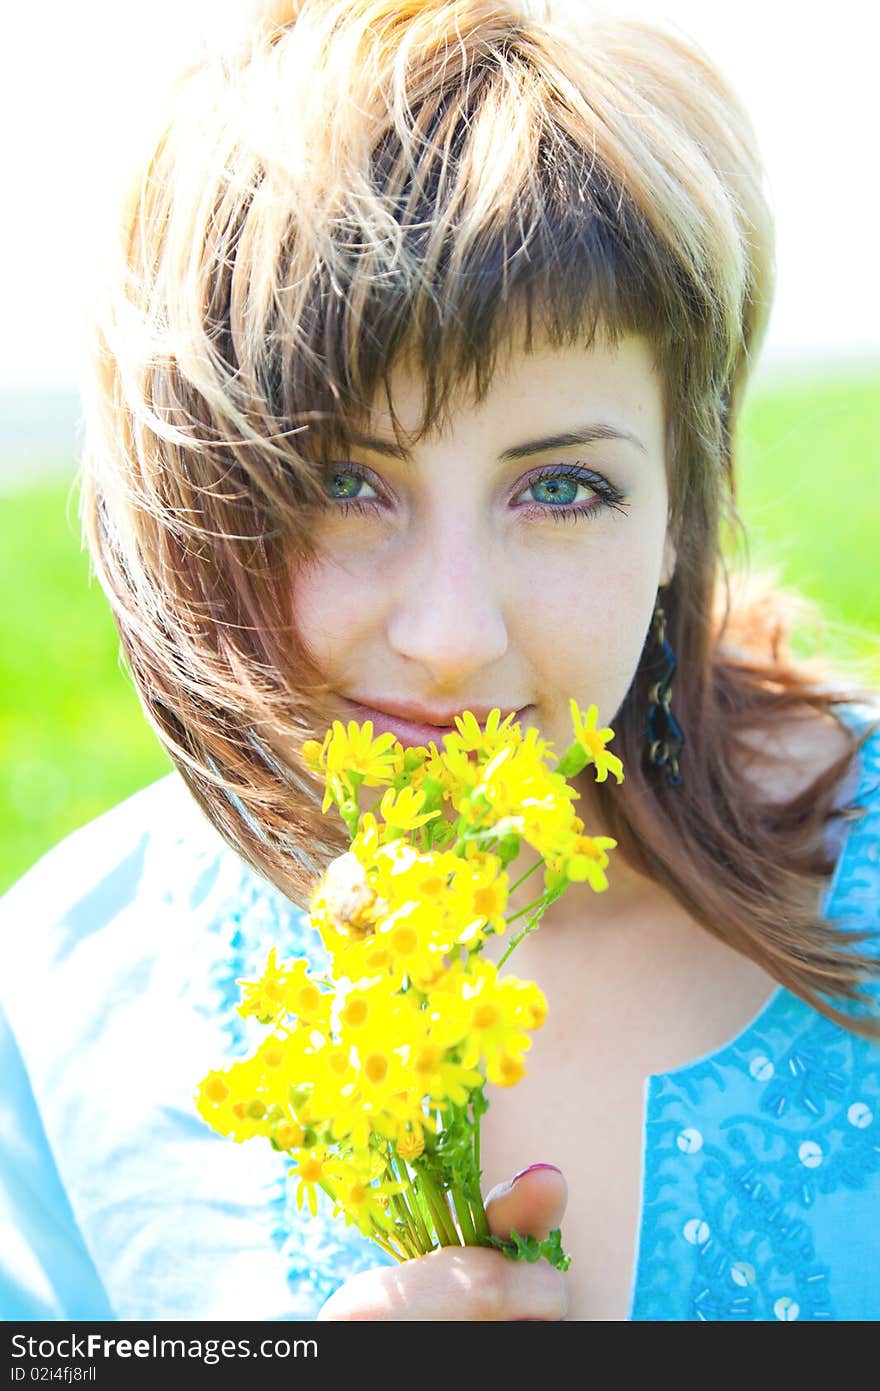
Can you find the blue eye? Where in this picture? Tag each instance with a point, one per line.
(560, 489)
(560, 484)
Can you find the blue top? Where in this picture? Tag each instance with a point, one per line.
(119, 953)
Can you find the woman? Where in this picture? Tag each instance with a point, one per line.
(401, 288)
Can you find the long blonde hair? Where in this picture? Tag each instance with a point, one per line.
(368, 180)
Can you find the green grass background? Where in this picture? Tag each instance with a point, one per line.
(75, 739)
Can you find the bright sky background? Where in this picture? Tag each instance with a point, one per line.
(76, 79)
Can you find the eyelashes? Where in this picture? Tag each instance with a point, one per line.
(606, 496)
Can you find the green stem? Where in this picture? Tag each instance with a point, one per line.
(415, 1207)
(477, 1120)
(524, 877)
(528, 908)
(409, 1246)
(529, 927)
(413, 1217)
(402, 1212)
(478, 1212)
(480, 1221)
(439, 1210)
(384, 1242)
(465, 1220)
(477, 1147)
(447, 1231)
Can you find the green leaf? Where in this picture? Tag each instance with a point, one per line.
(555, 883)
(573, 761)
(433, 791)
(507, 848)
(479, 1103)
(529, 1248)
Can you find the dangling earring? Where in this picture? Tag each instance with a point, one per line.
(665, 736)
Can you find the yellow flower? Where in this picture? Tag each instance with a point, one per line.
(366, 843)
(410, 1144)
(402, 809)
(279, 1059)
(472, 738)
(214, 1096)
(265, 997)
(484, 1016)
(440, 770)
(366, 961)
(440, 1077)
(593, 741)
(546, 824)
(517, 780)
(228, 1100)
(287, 1134)
(354, 750)
(372, 1016)
(304, 999)
(383, 1079)
(309, 1169)
(330, 1075)
(416, 942)
(314, 755)
(378, 1104)
(588, 860)
(505, 1069)
(361, 1196)
(352, 1123)
(282, 989)
(477, 897)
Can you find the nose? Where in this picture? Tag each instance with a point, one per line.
(447, 610)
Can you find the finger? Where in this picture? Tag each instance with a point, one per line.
(532, 1203)
(453, 1283)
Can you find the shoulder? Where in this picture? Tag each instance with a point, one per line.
(152, 845)
(159, 812)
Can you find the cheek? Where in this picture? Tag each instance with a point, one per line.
(597, 591)
(328, 606)
(585, 620)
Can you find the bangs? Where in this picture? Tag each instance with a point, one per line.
(438, 205)
(550, 250)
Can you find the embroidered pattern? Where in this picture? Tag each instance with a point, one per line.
(318, 1252)
(759, 1155)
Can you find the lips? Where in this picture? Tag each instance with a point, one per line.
(411, 733)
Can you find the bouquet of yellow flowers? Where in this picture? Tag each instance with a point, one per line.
(373, 1076)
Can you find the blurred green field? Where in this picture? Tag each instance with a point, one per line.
(76, 742)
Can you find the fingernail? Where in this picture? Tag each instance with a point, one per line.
(531, 1169)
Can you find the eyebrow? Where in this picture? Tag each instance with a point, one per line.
(587, 434)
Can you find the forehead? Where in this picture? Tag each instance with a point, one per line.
(545, 385)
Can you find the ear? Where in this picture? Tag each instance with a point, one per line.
(670, 558)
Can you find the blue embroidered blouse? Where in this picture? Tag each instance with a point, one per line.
(119, 955)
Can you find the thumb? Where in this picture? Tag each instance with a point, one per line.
(532, 1202)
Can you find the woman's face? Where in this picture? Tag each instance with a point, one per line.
(499, 564)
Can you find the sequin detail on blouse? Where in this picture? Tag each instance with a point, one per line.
(761, 1193)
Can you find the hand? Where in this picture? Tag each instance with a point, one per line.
(471, 1282)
